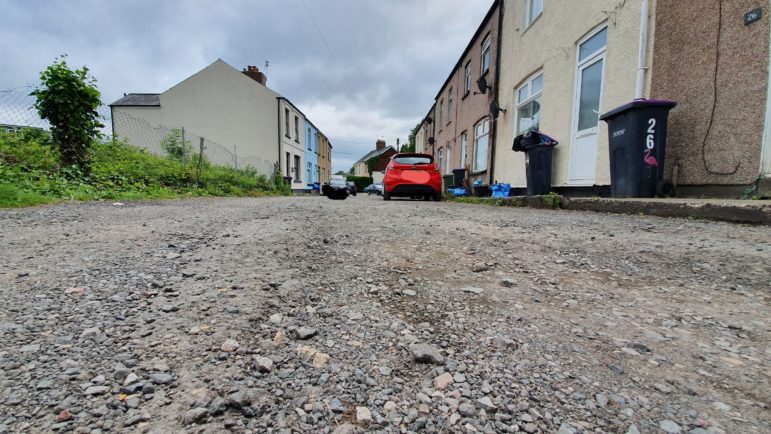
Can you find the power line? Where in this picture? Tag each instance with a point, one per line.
(332, 54)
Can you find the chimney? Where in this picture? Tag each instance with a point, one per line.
(254, 73)
(380, 144)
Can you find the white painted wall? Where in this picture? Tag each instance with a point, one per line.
(292, 142)
(549, 44)
(221, 104)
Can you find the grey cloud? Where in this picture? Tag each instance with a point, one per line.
(391, 55)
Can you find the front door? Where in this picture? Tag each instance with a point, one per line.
(589, 78)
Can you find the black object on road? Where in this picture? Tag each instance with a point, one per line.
(458, 175)
(637, 132)
(537, 147)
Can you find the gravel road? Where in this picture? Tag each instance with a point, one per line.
(301, 314)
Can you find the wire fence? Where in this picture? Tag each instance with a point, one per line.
(17, 111)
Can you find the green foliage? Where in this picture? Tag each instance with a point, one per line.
(359, 181)
(552, 200)
(410, 145)
(371, 163)
(30, 174)
(68, 100)
(173, 146)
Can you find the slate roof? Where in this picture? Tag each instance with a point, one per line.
(139, 100)
(373, 153)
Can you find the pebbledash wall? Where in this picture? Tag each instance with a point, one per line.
(311, 154)
(549, 45)
(696, 50)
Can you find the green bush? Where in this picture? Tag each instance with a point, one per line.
(360, 181)
(30, 173)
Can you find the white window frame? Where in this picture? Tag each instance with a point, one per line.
(448, 162)
(530, 97)
(439, 157)
(482, 122)
(449, 106)
(467, 82)
(529, 20)
(485, 52)
(441, 113)
(463, 151)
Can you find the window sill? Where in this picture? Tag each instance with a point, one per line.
(478, 172)
(531, 23)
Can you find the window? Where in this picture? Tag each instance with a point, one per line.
(449, 106)
(529, 104)
(413, 160)
(467, 81)
(296, 129)
(308, 174)
(297, 167)
(286, 123)
(481, 141)
(310, 142)
(288, 163)
(534, 8)
(485, 56)
(441, 113)
(449, 159)
(440, 158)
(463, 144)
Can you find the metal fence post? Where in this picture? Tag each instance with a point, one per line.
(200, 161)
(235, 156)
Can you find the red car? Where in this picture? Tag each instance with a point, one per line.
(412, 175)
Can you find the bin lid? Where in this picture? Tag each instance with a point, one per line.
(638, 103)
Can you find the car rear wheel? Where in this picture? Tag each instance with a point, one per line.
(386, 195)
(437, 197)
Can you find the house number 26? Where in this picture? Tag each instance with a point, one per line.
(649, 143)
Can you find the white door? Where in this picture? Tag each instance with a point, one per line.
(590, 71)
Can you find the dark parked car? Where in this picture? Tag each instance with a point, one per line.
(336, 189)
(351, 188)
(374, 189)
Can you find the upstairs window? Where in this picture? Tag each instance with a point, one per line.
(441, 113)
(529, 104)
(533, 10)
(297, 129)
(449, 106)
(485, 56)
(467, 81)
(286, 123)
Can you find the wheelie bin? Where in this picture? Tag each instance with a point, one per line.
(637, 134)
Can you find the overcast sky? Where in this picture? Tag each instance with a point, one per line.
(387, 61)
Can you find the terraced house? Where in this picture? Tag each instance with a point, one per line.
(462, 126)
(559, 65)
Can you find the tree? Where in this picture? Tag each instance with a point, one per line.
(173, 146)
(68, 100)
(410, 146)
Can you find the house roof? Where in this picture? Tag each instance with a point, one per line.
(374, 153)
(139, 100)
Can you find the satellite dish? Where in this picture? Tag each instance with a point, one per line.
(430, 140)
(495, 109)
(482, 85)
(429, 120)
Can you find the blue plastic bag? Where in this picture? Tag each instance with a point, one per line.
(500, 190)
(457, 191)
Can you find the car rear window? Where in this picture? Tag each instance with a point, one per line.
(413, 160)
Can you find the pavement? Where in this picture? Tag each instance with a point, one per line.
(735, 211)
(757, 212)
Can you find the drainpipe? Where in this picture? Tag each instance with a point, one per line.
(494, 131)
(640, 85)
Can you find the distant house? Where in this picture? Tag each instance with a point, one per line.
(324, 157)
(311, 153)
(382, 154)
(244, 122)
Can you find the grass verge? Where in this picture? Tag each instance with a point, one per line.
(30, 174)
